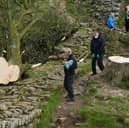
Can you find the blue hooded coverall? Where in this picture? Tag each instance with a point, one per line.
(110, 22)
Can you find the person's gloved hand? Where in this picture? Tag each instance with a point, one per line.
(92, 55)
(68, 64)
(98, 56)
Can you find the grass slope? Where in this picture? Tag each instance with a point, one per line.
(46, 117)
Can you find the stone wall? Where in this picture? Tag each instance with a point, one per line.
(102, 8)
(19, 105)
(19, 102)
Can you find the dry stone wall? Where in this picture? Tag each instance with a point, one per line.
(19, 106)
(102, 8)
(19, 102)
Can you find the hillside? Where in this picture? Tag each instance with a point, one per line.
(37, 99)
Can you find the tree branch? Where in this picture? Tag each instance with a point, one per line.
(2, 24)
(26, 4)
(24, 13)
(28, 27)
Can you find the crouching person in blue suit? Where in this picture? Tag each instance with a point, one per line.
(69, 70)
(110, 21)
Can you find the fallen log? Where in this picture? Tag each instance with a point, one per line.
(117, 69)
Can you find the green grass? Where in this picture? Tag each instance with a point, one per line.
(46, 117)
(44, 5)
(36, 73)
(127, 1)
(105, 112)
(70, 6)
(84, 68)
(98, 116)
(124, 84)
(81, 12)
(121, 21)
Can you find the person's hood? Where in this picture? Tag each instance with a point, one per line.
(111, 17)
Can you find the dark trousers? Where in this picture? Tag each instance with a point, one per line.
(127, 25)
(68, 82)
(100, 64)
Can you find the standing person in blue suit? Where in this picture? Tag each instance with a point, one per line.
(110, 21)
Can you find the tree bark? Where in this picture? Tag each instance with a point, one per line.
(26, 4)
(11, 21)
(13, 46)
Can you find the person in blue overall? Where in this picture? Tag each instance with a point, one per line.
(97, 52)
(69, 70)
(110, 21)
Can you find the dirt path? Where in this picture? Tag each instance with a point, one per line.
(66, 115)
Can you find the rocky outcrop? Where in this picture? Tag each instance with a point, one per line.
(102, 8)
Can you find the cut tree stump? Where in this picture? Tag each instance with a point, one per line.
(117, 69)
(8, 73)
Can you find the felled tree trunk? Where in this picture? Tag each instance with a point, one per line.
(8, 73)
(117, 69)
